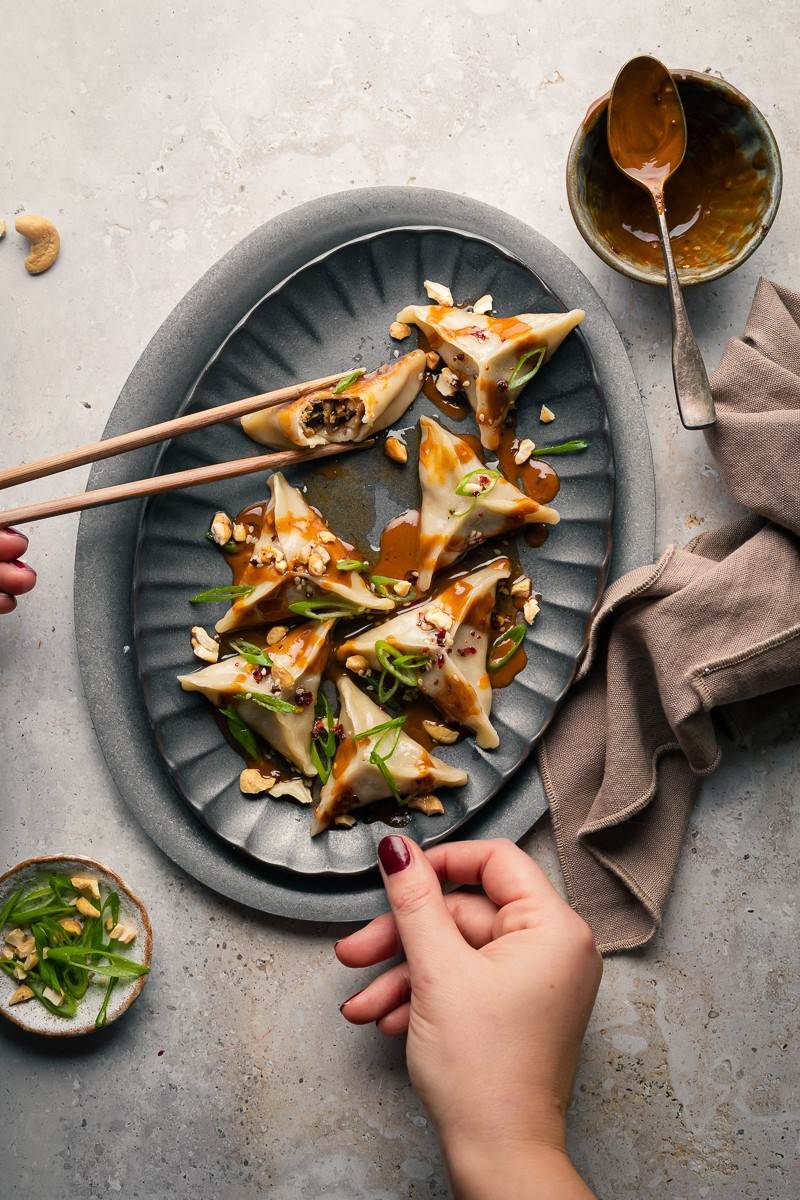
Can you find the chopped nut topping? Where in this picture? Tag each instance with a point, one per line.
(239, 532)
(303, 555)
(221, 529)
(438, 293)
(440, 733)
(326, 536)
(20, 941)
(399, 330)
(531, 610)
(436, 618)
(484, 305)
(318, 560)
(85, 908)
(85, 883)
(253, 783)
(521, 587)
(124, 934)
(431, 806)
(22, 993)
(281, 566)
(344, 820)
(203, 647)
(447, 382)
(31, 961)
(526, 449)
(6, 953)
(71, 925)
(396, 450)
(20, 972)
(401, 587)
(53, 996)
(432, 359)
(276, 633)
(356, 663)
(546, 415)
(281, 677)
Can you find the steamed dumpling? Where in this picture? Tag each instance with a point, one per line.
(370, 403)
(453, 630)
(355, 780)
(451, 523)
(295, 555)
(298, 661)
(485, 352)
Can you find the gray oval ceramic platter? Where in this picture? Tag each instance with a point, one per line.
(312, 291)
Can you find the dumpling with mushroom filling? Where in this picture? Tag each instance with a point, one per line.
(493, 357)
(295, 559)
(276, 701)
(374, 761)
(441, 647)
(352, 413)
(464, 502)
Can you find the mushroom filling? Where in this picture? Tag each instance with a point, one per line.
(339, 418)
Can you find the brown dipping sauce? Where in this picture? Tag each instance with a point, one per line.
(646, 131)
(715, 201)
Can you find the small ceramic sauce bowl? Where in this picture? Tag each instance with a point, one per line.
(720, 202)
(32, 1015)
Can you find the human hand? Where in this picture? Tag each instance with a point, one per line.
(494, 994)
(16, 577)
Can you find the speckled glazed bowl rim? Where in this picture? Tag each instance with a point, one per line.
(597, 110)
(72, 1029)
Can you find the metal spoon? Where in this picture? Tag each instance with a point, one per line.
(647, 141)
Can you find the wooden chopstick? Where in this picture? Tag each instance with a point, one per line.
(95, 451)
(170, 483)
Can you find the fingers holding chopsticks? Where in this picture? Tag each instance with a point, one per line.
(16, 577)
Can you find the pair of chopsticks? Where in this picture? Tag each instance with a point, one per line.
(96, 451)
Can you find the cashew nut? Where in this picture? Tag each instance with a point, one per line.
(44, 242)
(2, 228)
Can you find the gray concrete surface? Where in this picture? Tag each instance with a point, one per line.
(157, 135)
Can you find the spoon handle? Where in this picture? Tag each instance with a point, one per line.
(695, 402)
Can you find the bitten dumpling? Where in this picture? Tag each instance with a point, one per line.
(452, 632)
(464, 502)
(357, 779)
(492, 356)
(370, 403)
(298, 661)
(296, 555)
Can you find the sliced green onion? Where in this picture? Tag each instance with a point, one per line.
(383, 584)
(252, 654)
(404, 667)
(575, 446)
(348, 381)
(518, 380)
(232, 592)
(228, 547)
(352, 564)
(324, 610)
(273, 703)
(102, 1015)
(515, 635)
(323, 749)
(8, 907)
(461, 490)
(118, 966)
(394, 723)
(241, 732)
(381, 760)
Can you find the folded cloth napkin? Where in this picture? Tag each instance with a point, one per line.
(713, 624)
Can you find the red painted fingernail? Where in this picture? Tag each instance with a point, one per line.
(349, 998)
(21, 566)
(18, 532)
(394, 854)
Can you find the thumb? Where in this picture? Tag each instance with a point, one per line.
(426, 929)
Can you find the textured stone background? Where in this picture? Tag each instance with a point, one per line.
(157, 135)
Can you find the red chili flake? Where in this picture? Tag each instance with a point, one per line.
(318, 729)
(338, 729)
(502, 385)
(439, 660)
(258, 673)
(441, 637)
(465, 650)
(460, 356)
(303, 697)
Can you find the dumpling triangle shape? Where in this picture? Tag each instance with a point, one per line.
(296, 554)
(492, 356)
(357, 779)
(451, 633)
(464, 502)
(365, 406)
(298, 661)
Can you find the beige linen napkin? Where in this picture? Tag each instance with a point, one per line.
(709, 625)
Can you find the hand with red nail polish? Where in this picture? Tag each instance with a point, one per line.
(494, 993)
(16, 577)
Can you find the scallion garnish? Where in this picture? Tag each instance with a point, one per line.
(381, 760)
(252, 654)
(324, 610)
(352, 564)
(518, 379)
(404, 667)
(232, 592)
(575, 446)
(323, 739)
(240, 732)
(394, 723)
(348, 381)
(384, 586)
(273, 703)
(474, 484)
(515, 636)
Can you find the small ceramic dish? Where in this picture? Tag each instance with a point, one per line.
(721, 201)
(32, 1015)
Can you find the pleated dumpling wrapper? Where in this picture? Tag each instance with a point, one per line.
(368, 404)
(294, 559)
(464, 502)
(282, 697)
(449, 635)
(493, 357)
(356, 777)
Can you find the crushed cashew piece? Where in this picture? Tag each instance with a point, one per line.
(396, 449)
(531, 610)
(399, 330)
(22, 993)
(53, 996)
(344, 820)
(281, 677)
(318, 561)
(401, 587)
(239, 532)
(356, 663)
(276, 633)
(85, 883)
(20, 941)
(221, 528)
(484, 305)
(438, 293)
(20, 972)
(85, 908)
(73, 926)
(253, 783)
(447, 382)
(432, 360)
(125, 934)
(524, 451)
(438, 617)
(546, 415)
(2, 229)
(440, 733)
(521, 588)
(6, 953)
(326, 536)
(430, 805)
(203, 645)
(31, 961)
